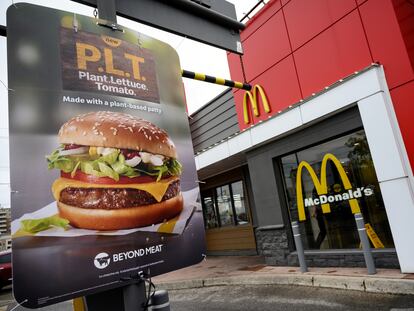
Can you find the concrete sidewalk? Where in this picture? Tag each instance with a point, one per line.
(249, 270)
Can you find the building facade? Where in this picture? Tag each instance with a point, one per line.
(326, 133)
(5, 220)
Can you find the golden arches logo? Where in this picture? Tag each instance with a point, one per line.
(252, 97)
(321, 185)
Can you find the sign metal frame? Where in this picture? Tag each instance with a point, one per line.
(215, 24)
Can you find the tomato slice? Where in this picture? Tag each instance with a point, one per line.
(107, 180)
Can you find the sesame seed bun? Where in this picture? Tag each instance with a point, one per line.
(124, 218)
(116, 130)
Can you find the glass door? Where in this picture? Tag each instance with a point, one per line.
(336, 229)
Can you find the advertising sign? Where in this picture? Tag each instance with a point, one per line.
(101, 157)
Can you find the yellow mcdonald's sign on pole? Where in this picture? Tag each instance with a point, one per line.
(321, 185)
(252, 97)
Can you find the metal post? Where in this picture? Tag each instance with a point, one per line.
(365, 243)
(107, 10)
(131, 297)
(134, 296)
(160, 301)
(107, 14)
(299, 247)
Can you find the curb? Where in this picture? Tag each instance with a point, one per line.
(364, 284)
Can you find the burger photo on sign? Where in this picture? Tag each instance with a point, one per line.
(117, 172)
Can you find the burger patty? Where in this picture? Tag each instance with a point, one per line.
(113, 198)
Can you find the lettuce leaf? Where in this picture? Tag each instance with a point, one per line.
(42, 224)
(125, 170)
(91, 168)
(158, 171)
(110, 158)
(108, 171)
(72, 174)
(174, 167)
(60, 162)
(111, 165)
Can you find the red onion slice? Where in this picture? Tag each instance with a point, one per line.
(80, 150)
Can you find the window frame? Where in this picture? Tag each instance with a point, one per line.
(213, 192)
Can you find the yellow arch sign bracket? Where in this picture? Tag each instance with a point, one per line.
(252, 97)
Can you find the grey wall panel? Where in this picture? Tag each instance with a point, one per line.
(261, 162)
(214, 126)
(214, 122)
(223, 112)
(212, 105)
(202, 144)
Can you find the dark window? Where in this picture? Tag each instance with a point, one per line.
(239, 203)
(225, 205)
(337, 229)
(209, 208)
(225, 209)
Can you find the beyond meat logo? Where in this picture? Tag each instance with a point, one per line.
(102, 260)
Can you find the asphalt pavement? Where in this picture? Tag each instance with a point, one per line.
(284, 297)
(263, 298)
(247, 283)
(7, 303)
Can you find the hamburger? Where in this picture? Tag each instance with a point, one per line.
(117, 172)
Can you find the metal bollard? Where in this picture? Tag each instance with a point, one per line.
(160, 301)
(359, 219)
(299, 247)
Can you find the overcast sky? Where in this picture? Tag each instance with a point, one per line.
(194, 56)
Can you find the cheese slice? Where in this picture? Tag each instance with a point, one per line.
(156, 189)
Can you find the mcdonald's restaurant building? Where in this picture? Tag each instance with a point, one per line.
(327, 132)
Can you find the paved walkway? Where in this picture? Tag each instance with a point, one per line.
(249, 270)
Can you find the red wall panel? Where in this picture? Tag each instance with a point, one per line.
(334, 54)
(260, 18)
(281, 87)
(404, 11)
(268, 45)
(402, 98)
(385, 40)
(236, 71)
(305, 19)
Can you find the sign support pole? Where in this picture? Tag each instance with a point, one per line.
(134, 296)
(107, 10)
(131, 297)
(107, 13)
